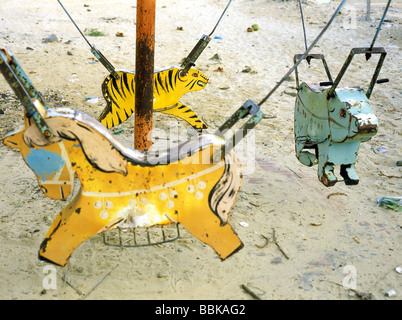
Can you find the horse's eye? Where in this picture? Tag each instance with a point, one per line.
(342, 113)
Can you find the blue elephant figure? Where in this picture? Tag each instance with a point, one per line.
(334, 121)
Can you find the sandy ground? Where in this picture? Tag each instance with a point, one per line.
(322, 231)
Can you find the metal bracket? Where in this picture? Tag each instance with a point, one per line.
(24, 90)
(367, 51)
(195, 53)
(105, 62)
(308, 59)
(248, 108)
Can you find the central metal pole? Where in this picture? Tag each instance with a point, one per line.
(144, 74)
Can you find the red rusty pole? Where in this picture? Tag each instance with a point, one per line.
(144, 74)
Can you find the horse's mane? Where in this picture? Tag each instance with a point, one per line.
(100, 146)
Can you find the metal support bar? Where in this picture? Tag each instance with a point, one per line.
(98, 55)
(144, 82)
(353, 52)
(248, 108)
(308, 58)
(379, 27)
(195, 53)
(24, 90)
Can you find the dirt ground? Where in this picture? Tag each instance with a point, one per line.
(323, 233)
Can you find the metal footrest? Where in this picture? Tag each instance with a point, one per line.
(141, 237)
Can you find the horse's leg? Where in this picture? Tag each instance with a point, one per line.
(76, 223)
(206, 226)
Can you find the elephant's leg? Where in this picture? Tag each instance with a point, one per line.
(349, 174)
(325, 169)
(305, 157)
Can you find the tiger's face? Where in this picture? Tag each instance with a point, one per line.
(194, 80)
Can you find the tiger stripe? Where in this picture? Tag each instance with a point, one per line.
(169, 87)
(185, 113)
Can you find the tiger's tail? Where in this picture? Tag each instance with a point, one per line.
(185, 113)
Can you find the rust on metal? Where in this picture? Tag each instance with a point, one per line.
(145, 52)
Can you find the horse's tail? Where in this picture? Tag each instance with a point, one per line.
(223, 195)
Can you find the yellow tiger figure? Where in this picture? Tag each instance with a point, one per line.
(169, 86)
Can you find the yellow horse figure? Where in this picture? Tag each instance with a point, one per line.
(120, 186)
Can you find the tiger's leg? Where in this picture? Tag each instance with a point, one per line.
(185, 113)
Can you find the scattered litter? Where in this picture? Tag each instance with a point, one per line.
(356, 239)
(244, 224)
(163, 274)
(388, 175)
(219, 69)
(276, 260)
(248, 69)
(119, 34)
(390, 293)
(382, 149)
(399, 163)
(336, 194)
(361, 295)
(51, 38)
(218, 38)
(251, 293)
(315, 224)
(291, 169)
(64, 278)
(265, 244)
(97, 284)
(118, 131)
(249, 29)
(216, 57)
(180, 28)
(399, 269)
(94, 33)
(394, 203)
(255, 27)
(92, 99)
(277, 244)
